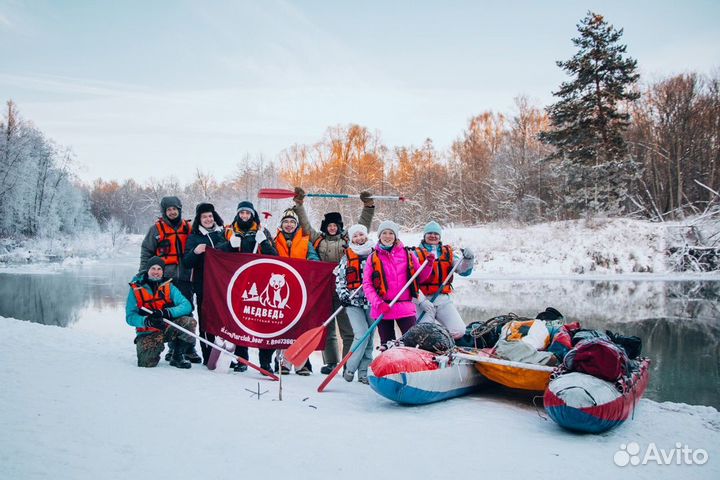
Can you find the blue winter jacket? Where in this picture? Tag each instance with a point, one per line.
(181, 306)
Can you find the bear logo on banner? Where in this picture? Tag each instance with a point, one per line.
(278, 306)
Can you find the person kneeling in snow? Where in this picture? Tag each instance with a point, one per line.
(442, 309)
(151, 299)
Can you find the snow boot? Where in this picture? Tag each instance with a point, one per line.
(349, 376)
(238, 367)
(326, 369)
(169, 353)
(191, 354)
(178, 359)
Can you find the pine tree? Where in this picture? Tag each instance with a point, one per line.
(588, 122)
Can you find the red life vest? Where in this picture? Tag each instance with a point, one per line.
(441, 269)
(378, 275)
(299, 248)
(353, 271)
(162, 298)
(171, 242)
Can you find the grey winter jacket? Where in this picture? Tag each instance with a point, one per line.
(331, 248)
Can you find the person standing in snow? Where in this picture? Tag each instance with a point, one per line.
(442, 309)
(151, 299)
(246, 235)
(166, 239)
(207, 232)
(292, 242)
(349, 279)
(330, 246)
(387, 270)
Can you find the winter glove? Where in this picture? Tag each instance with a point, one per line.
(367, 199)
(155, 320)
(299, 197)
(431, 258)
(468, 254)
(384, 308)
(235, 241)
(428, 307)
(260, 236)
(166, 314)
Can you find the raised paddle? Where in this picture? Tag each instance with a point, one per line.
(369, 331)
(306, 343)
(281, 193)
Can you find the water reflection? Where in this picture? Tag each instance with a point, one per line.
(679, 321)
(58, 299)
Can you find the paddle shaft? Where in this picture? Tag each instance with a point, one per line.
(297, 354)
(221, 350)
(369, 330)
(508, 363)
(281, 193)
(344, 195)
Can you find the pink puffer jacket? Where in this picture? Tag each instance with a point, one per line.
(394, 265)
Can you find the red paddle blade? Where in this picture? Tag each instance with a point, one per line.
(275, 193)
(300, 351)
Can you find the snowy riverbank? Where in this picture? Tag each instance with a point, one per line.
(600, 247)
(77, 407)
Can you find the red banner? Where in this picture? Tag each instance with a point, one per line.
(261, 301)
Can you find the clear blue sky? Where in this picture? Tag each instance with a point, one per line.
(150, 88)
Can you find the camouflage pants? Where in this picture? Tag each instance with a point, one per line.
(150, 345)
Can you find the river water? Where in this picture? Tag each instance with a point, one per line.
(678, 320)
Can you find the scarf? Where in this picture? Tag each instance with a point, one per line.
(362, 250)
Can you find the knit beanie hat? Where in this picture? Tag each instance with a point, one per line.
(289, 213)
(355, 229)
(156, 261)
(331, 217)
(432, 227)
(248, 207)
(389, 225)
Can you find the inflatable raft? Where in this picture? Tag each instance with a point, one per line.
(584, 403)
(518, 375)
(413, 376)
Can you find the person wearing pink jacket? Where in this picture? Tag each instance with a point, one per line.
(387, 270)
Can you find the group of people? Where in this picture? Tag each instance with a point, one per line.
(369, 276)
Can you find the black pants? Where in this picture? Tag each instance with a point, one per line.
(264, 353)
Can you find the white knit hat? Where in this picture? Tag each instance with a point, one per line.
(355, 229)
(389, 225)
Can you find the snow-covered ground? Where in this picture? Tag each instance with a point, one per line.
(75, 406)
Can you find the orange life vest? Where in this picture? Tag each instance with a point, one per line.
(378, 275)
(300, 244)
(353, 271)
(171, 242)
(162, 298)
(441, 269)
